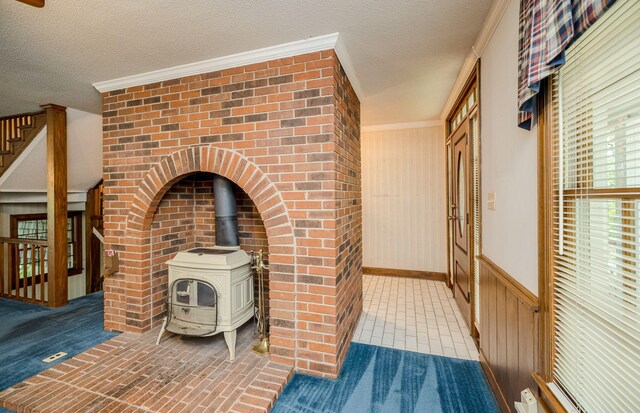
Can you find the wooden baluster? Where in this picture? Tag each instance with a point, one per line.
(42, 274)
(2, 123)
(1, 268)
(33, 272)
(25, 267)
(9, 267)
(16, 269)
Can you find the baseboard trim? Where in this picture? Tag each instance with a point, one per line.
(423, 275)
(493, 383)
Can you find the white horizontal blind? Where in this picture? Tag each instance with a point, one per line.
(596, 283)
(475, 141)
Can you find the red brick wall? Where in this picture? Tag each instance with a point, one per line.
(349, 210)
(278, 130)
(172, 231)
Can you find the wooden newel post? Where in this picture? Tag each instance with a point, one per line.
(57, 204)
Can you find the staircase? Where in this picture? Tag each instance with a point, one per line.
(16, 132)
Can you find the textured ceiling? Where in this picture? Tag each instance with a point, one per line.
(406, 54)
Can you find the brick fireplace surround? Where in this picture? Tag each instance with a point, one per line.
(287, 133)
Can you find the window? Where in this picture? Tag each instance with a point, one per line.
(34, 227)
(465, 107)
(595, 221)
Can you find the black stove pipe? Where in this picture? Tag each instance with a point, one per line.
(226, 212)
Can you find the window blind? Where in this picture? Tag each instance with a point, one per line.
(475, 150)
(596, 217)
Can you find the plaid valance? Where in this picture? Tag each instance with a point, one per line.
(547, 28)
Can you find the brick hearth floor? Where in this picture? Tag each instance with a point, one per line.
(130, 374)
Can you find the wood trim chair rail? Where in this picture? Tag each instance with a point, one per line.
(527, 298)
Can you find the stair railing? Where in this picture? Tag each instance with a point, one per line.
(14, 131)
(23, 272)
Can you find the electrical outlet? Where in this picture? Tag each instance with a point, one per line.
(54, 357)
(491, 201)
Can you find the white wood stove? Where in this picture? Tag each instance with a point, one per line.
(210, 292)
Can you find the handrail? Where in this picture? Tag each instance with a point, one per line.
(16, 133)
(9, 240)
(98, 235)
(21, 114)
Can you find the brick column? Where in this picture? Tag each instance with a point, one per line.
(287, 133)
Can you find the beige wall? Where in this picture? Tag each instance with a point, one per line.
(509, 234)
(77, 283)
(403, 191)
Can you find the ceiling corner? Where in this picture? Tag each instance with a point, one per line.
(347, 65)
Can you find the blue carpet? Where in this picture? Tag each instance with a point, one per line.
(30, 333)
(378, 379)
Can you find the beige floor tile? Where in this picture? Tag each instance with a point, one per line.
(415, 315)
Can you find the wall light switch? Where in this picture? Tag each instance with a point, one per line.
(491, 202)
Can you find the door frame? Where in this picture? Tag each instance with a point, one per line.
(473, 82)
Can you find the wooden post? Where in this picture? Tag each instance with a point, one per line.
(57, 204)
(93, 219)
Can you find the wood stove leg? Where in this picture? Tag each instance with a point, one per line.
(230, 338)
(164, 325)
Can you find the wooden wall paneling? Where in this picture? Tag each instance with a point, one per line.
(484, 309)
(493, 316)
(508, 334)
(528, 346)
(512, 378)
(500, 362)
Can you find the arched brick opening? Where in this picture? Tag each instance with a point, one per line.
(134, 306)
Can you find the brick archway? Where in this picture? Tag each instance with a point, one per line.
(135, 256)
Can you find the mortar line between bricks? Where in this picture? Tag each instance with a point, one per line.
(105, 396)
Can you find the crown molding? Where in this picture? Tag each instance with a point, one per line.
(407, 125)
(465, 72)
(489, 26)
(310, 45)
(498, 8)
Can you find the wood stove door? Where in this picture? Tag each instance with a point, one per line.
(459, 218)
(193, 308)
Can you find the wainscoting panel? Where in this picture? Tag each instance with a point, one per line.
(508, 333)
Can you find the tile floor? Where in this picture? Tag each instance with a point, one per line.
(413, 314)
